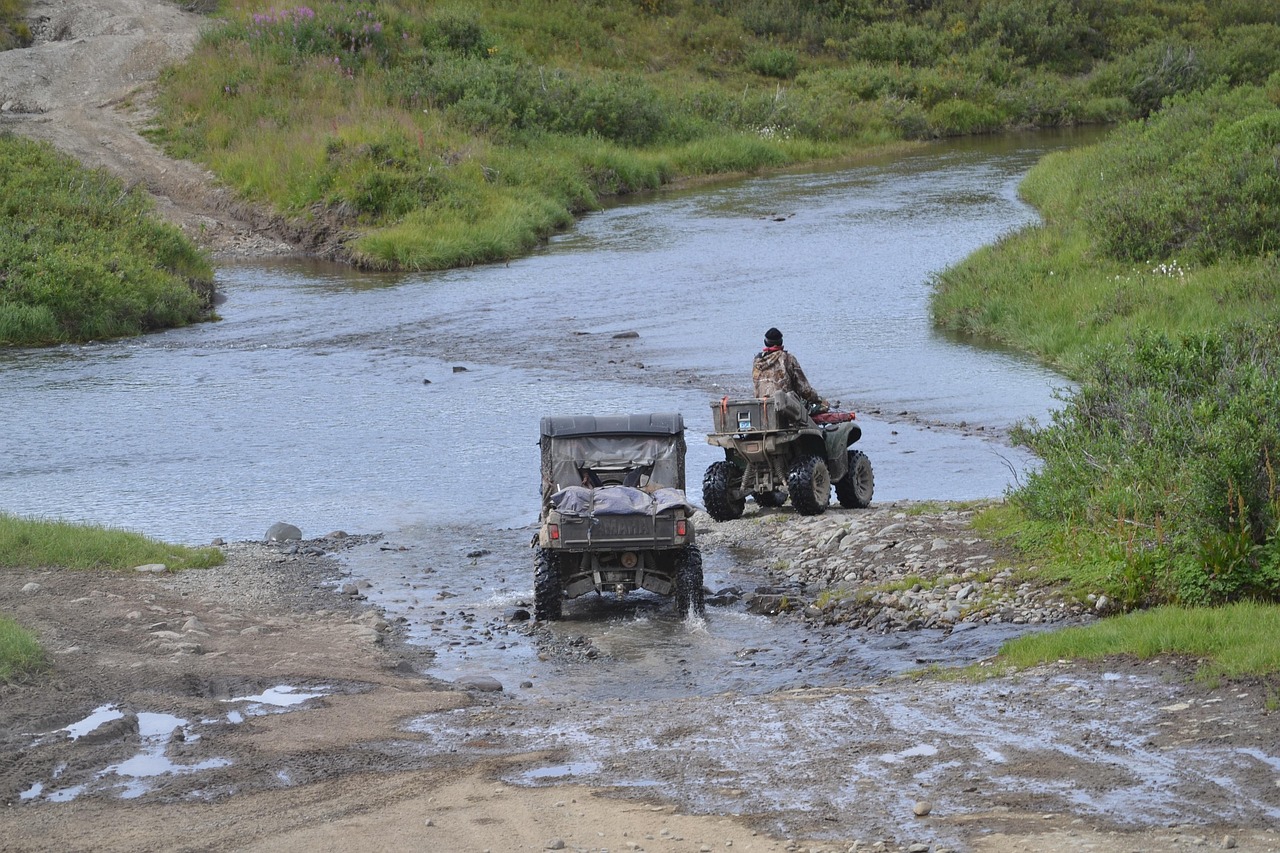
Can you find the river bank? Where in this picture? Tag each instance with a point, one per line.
(159, 720)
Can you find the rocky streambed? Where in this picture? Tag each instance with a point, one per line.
(894, 567)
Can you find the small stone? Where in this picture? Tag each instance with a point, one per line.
(429, 822)
(555, 844)
(921, 808)
(31, 587)
(458, 368)
(152, 567)
(1228, 842)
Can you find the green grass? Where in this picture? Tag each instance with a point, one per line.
(31, 543)
(20, 652)
(1234, 641)
(461, 133)
(84, 258)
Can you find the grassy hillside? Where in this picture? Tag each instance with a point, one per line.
(1155, 281)
(83, 258)
(460, 133)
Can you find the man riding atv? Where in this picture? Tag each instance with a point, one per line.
(775, 370)
(784, 443)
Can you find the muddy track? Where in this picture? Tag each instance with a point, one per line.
(85, 86)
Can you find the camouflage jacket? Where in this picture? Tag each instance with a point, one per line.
(776, 370)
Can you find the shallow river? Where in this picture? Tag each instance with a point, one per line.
(409, 404)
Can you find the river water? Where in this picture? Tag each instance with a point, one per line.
(334, 399)
(409, 404)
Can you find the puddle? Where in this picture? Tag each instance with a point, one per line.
(129, 778)
(133, 777)
(100, 716)
(272, 701)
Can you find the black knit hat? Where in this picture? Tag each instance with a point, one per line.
(773, 338)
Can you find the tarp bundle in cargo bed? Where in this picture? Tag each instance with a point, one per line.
(618, 500)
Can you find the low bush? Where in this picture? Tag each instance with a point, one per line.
(82, 257)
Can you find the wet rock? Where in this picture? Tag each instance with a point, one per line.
(282, 532)
(121, 728)
(626, 335)
(458, 368)
(519, 614)
(483, 683)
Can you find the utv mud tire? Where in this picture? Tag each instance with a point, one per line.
(855, 488)
(689, 593)
(548, 591)
(770, 499)
(809, 483)
(718, 485)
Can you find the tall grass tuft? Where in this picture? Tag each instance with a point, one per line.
(20, 652)
(33, 542)
(1233, 641)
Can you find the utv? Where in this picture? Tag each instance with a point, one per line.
(774, 450)
(614, 515)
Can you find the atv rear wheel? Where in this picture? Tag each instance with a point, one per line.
(770, 499)
(689, 592)
(809, 482)
(855, 488)
(718, 485)
(548, 590)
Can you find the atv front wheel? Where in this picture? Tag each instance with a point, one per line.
(689, 592)
(718, 485)
(854, 489)
(809, 483)
(548, 591)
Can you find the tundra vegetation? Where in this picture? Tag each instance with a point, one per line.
(1153, 281)
(461, 133)
(82, 257)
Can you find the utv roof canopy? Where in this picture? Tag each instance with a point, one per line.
(670, 423)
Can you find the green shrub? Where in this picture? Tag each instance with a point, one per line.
(83, 258)
(1176, 442)
(1198, 181)
(774, 62)
(958, 118)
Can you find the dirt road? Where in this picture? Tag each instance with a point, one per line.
(167, 724)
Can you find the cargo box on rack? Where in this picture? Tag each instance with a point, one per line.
(739, 416)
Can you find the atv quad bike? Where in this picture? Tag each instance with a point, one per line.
(774, 450)
(614, 515)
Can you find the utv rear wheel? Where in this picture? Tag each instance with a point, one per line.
(689, 592)
(548, 591)
(809, 483)
(718, 486)
(855, 488)
(770, 499)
